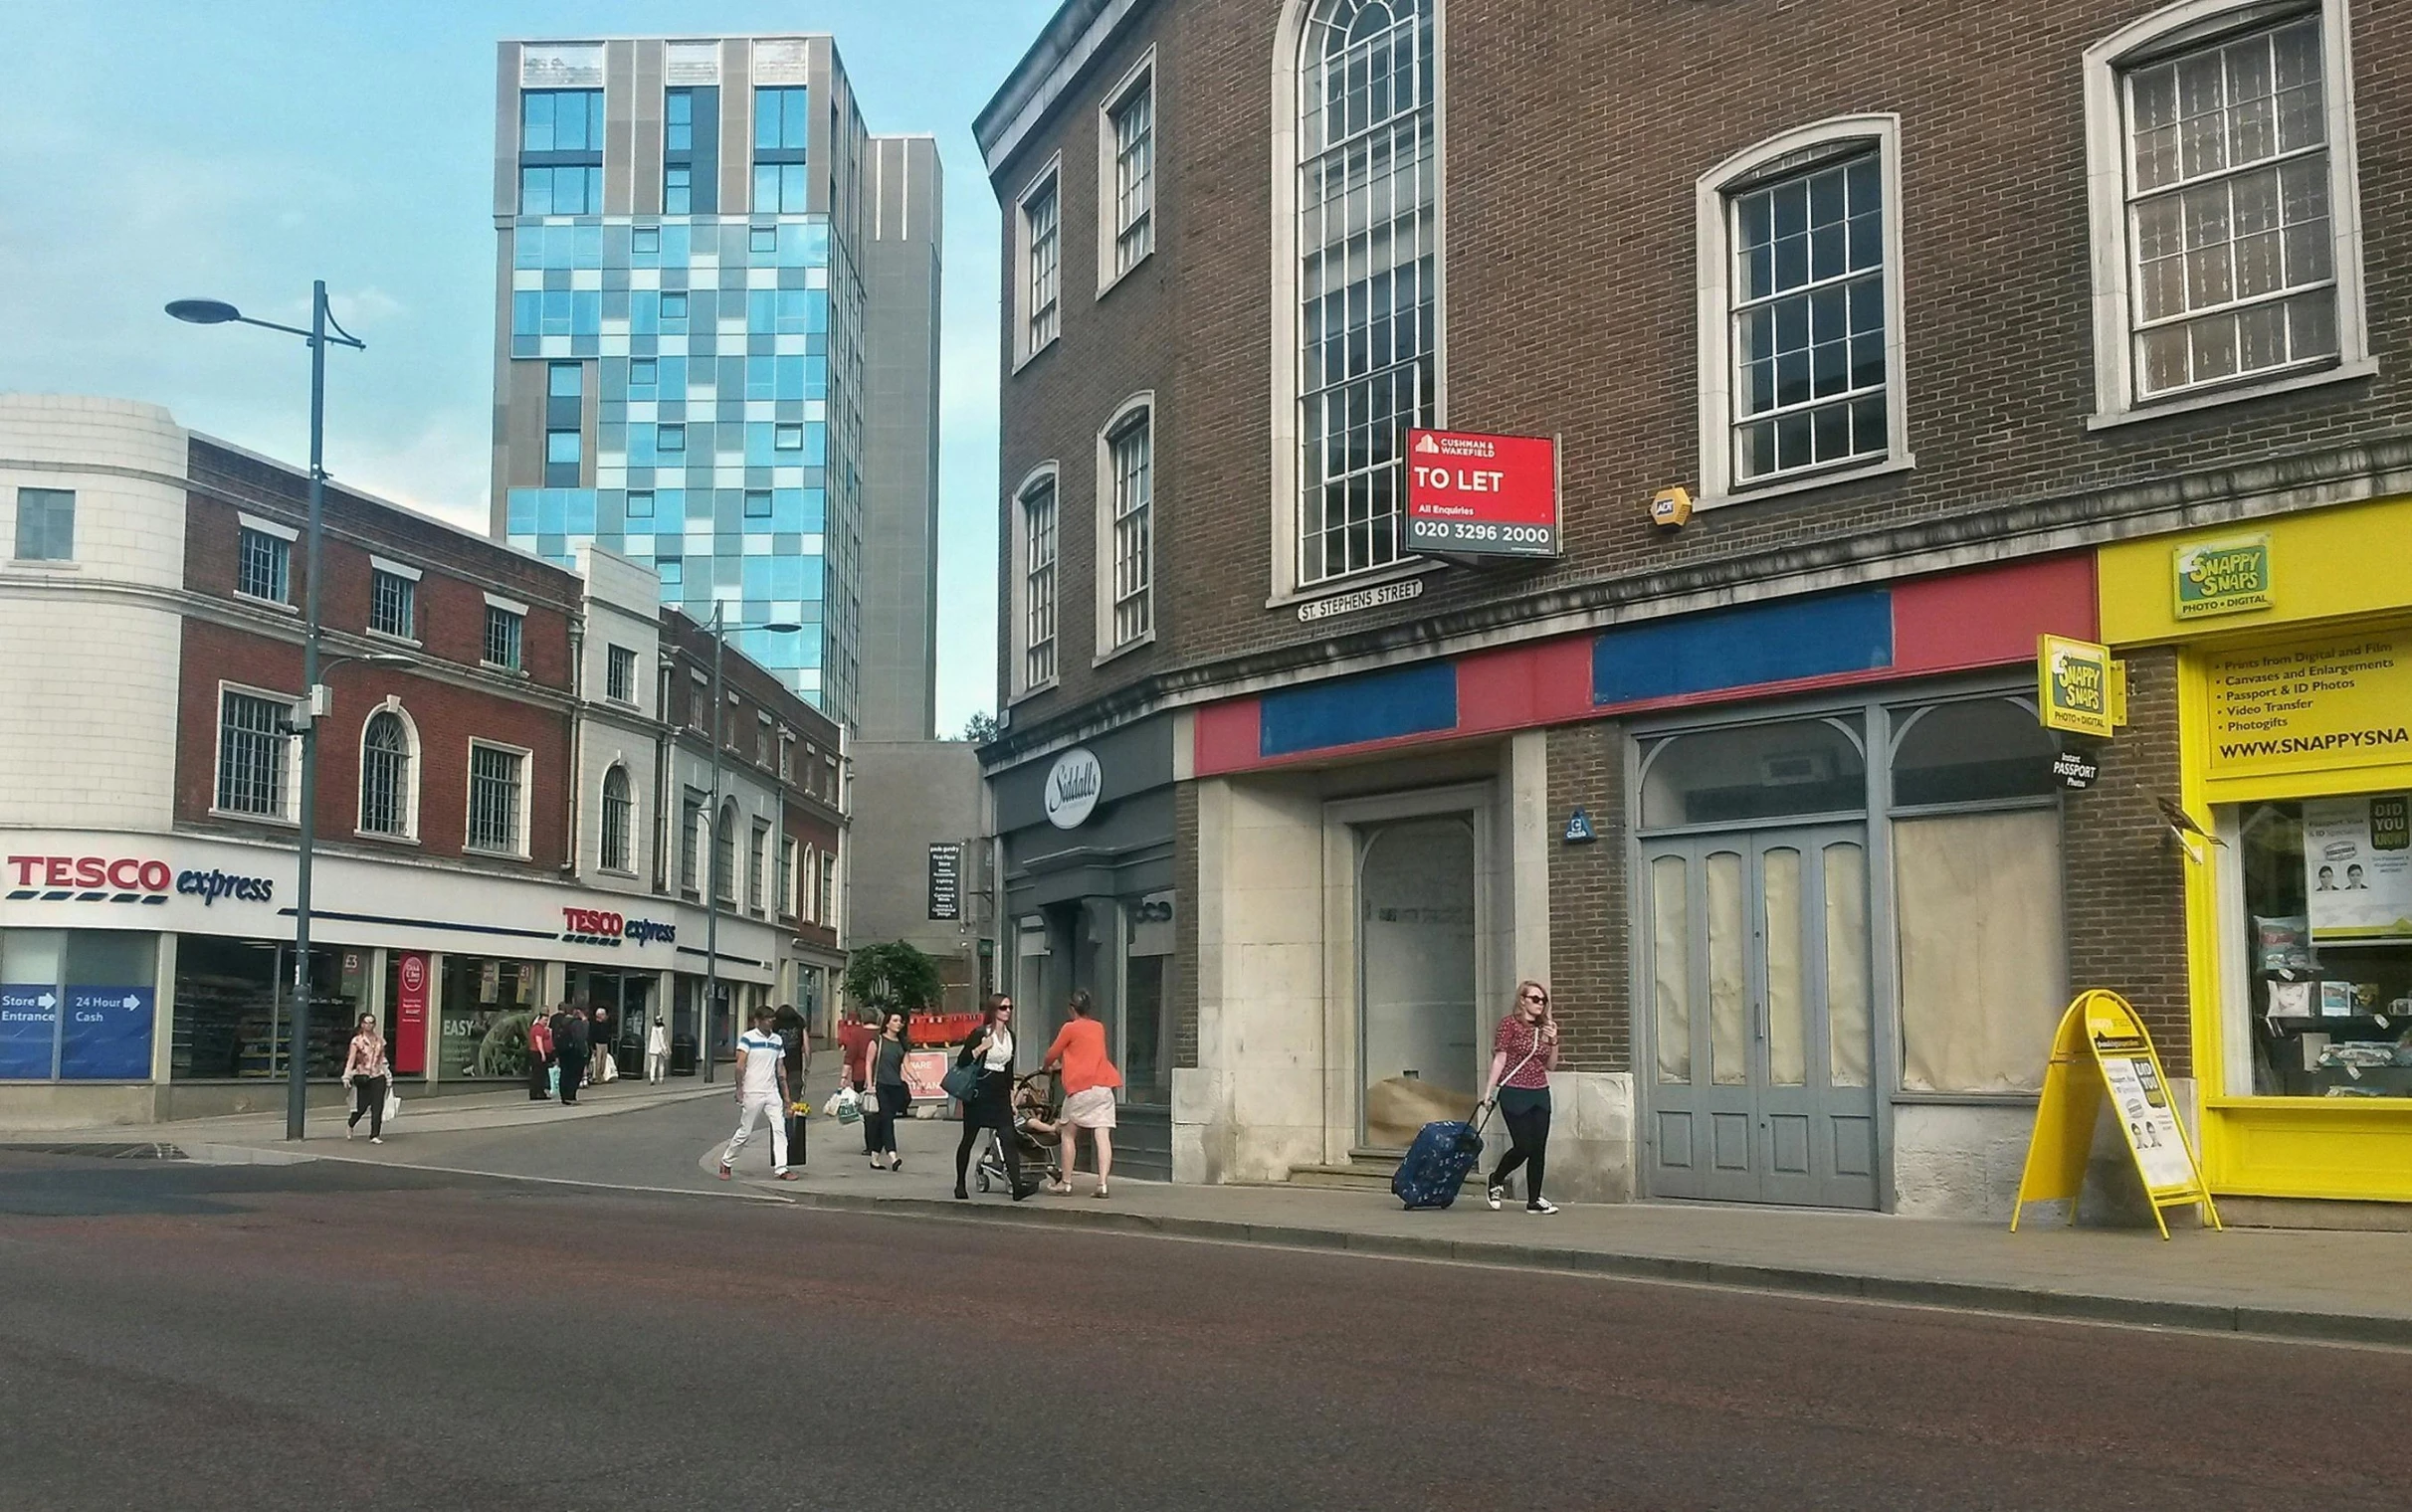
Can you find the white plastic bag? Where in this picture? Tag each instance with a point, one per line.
(846, 1106)
(393, 1105)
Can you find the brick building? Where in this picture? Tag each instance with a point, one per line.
(492, 828)
(1948, 322)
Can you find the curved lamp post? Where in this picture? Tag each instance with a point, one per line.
(313, 700)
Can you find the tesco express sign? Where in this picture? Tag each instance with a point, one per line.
(126, 880)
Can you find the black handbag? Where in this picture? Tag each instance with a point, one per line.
(962, 1082)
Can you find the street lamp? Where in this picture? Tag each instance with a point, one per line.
(314, 694)
(711, 881)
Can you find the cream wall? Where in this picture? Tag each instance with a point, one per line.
(621, 609)
(94, 644)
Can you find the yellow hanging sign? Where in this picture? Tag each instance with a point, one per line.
(2101, 1048)
(2079, 688)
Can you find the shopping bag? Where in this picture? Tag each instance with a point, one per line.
(849, 1105)
(393, 1105)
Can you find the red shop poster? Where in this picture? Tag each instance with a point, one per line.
(410, 1016)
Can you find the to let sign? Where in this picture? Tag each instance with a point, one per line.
(1470, 495)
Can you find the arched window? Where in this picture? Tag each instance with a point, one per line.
(725, 854)
(1367, 275)
(618, 815)
(386, 805)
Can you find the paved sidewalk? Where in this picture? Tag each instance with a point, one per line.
(2342, 1286)
(2291, 1283)
(448, 1114)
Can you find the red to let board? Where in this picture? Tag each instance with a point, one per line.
(1470, 495)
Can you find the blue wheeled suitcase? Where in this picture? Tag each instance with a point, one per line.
(1437, 1163)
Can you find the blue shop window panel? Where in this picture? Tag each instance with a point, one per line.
(29, 1029)
(521, 512)
(1414, 700)
(1743, 648)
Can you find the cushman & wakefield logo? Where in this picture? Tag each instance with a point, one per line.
(126, 879)
(594, 926)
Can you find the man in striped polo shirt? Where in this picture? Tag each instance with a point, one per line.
(761, 1093)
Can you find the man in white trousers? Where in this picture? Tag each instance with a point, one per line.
(656, 1052)
(761, 1093)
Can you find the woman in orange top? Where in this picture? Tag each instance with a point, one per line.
(1090, 1081)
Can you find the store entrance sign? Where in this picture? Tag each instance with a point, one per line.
(2076, 686)
(1472, 494)
(109, 1035)
(2102, 1049)
(2223, 576)
(29, 1031)
(2336, 703)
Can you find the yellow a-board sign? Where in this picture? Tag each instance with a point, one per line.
(2101, 1047)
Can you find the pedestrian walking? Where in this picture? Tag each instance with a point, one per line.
(656, 1052)
(855, 1036)
(1523, 1053)
(1090, 1082)
(890, 1097)
(795, 1054)
(603, 1058)
(569, 1050)
(761, 1093)
(991, 1106)
(540, 1058)
(367, 1073)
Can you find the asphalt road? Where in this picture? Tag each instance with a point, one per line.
(174, 1336)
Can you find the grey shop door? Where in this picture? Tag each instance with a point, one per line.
(1757, 990)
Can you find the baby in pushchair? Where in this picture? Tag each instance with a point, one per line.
(1037, 1132)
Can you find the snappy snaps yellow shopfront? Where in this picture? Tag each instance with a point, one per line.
(2294, 640)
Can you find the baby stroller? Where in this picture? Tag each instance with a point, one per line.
(1038, 1111)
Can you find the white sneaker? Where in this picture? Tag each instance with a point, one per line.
(1540, 1205)
(1491, 1195)
(348, 1131)
(376, 1139)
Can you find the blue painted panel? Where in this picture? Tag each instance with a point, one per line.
(1741, 648)
(1414, 700)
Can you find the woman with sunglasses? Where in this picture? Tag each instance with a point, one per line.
(990, 1048)
(1522, 1055)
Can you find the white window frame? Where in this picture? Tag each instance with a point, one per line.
(808, 887)
(603, 821)
(757, 865)
(787, 876)
(1139, 409)
(1712, 237)
(612, 653)
(829, 889)
(1017, 545)
(1139, 82)
(273, 530)
(695, 839)
(468, 799)
(290, 812)
(512, 607)
(1287, 502)
(407, 800)
(408, 574)
(2116, 399)
(1047, 180)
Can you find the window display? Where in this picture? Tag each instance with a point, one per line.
(2328, 916)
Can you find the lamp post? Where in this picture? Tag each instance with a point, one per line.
(313, 700)
(718, 733)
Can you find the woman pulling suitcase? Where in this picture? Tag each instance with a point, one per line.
(1527, 1040)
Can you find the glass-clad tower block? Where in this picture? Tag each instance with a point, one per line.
(679, 366)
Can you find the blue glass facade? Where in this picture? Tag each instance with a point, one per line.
(717, 453)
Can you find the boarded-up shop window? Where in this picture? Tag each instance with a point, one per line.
(1984, 972)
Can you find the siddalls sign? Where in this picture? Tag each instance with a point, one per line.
(126, 879)
(1073, 785)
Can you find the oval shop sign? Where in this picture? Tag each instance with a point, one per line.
(1072, 788)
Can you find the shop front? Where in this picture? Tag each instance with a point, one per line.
(153, 977)
(2293, 638)
(1087, 842)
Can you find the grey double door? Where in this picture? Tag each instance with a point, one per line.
(1758, 1087)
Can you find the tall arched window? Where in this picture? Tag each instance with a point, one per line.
(385, 796)
(618, 813)
(1368, 244)
(724, 854)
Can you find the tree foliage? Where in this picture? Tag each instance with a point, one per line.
(980, 729)
(892, 975)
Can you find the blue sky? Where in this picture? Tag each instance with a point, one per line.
(238, 150)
